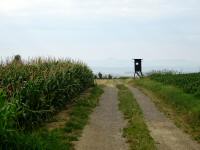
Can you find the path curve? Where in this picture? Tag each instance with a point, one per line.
(104, 131)
(166, 135)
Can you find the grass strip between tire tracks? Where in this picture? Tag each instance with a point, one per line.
(136, 131)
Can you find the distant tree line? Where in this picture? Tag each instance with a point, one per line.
(101, 76)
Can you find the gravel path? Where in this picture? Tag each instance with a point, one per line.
(166, 135)
(104, 131)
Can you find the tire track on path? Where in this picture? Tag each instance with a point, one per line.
(104, 131)
(166, 135)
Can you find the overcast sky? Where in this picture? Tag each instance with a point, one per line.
(101, 29)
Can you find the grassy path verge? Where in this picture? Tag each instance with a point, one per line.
(79, 115)
(136, 131)
(60, 138)
(182, 108)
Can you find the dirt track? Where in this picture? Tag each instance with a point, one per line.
(104, 131)
(166, 135)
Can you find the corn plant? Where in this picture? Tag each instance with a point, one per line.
(40, 87)
(190, 83)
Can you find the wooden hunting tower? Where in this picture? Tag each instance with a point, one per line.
(138, 68)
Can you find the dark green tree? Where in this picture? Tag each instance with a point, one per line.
(17, 59)
(110, 76)
(100, 75)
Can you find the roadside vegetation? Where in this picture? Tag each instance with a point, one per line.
(136, 131)
(190, 83)
(59, 138)
(180, 106)
(79, 115)
(31, 92)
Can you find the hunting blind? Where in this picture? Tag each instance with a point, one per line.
(138, 68)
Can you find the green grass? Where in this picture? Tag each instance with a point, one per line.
(183, 108)
(136, 131)
(42, 140)
(58, 139)
(80, 114)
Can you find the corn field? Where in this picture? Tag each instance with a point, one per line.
(190, 83)
(32, 91)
